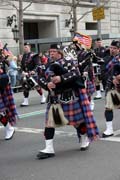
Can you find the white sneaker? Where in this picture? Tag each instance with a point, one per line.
(43, 99)
(9, 131)
(109, 130)
(92, 105)
(84, 142)
(25, 103)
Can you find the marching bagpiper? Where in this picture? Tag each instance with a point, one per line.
(112, 87)
(8, 113)
(68, 102)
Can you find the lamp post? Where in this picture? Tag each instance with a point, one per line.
(10, 20)
(15, 31)
(72, 32)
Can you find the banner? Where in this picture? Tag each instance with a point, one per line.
(83, 39)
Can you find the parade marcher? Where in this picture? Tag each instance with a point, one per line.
(86, 68)
(112, 87)
(100, 52)
(8, 113)
(68, 102)
(28, 65)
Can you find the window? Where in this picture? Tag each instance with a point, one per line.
(91, 26)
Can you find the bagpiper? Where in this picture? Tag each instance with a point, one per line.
(8, 112)
(68, 103)
(112, 87)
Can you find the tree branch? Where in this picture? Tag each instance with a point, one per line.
(84, 15)
(27, 6)
(7, 3)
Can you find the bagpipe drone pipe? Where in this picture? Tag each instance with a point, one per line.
(90, 57)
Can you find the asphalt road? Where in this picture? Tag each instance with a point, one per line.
(18, 156)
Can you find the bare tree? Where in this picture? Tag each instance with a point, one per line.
(20, 9)
(73, 16)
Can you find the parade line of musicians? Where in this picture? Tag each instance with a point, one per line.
(70, 75)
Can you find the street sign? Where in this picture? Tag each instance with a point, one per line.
(98, 13)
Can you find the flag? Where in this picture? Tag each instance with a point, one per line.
(83, 39)
(7, 52)
(1, 45)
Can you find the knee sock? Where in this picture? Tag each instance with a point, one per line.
(81, 130)
(26, 94)
(109, 115)
(3, 120)
(49, 133)
(40, 91)
(97, 87)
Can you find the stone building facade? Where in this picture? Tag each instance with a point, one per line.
(47, 19)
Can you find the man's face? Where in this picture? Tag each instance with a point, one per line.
(27, 49)
(114, 50)
(98, 43)
(54, 55)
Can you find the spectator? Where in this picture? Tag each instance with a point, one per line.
(13, 70)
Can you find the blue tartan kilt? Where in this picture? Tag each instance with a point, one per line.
(79, 111)
(90, 87)
(72, 112)
(7, 104)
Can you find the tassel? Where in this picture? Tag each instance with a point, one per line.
(56, 116)
(115, 99)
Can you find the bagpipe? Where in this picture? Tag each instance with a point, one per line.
(55, 69)
(70, 52)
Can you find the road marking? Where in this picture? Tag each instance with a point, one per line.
(113, 139)
(63, 133)
(38, 131)
(34, 113)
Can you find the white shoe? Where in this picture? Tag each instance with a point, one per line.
(109, 130)
(43, 99)
(98, 96)
(9, 131)
(84, 142)
(92, 105)
(25, 103)
(48, 151)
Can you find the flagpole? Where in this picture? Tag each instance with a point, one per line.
(74, 15)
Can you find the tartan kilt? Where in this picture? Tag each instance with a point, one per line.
(79, 111)
(92, 129)
(90, 87)
(72, 112)
(7, 104)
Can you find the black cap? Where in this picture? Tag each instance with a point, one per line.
(55, 46)
(26, 43)
(98, 39)
(115, 43)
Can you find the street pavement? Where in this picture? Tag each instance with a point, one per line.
(18, 156)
